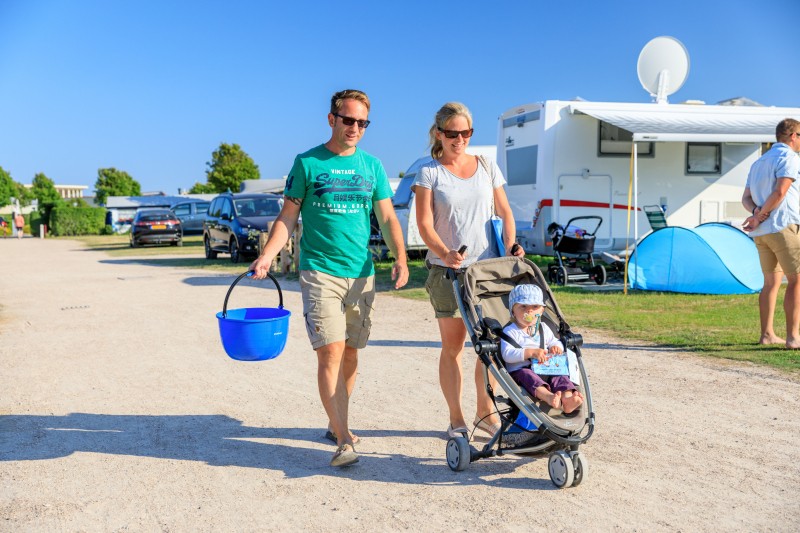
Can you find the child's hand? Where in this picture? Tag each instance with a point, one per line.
(536, 353)
(556, 349)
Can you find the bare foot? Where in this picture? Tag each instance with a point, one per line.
(771, 339)
(793, 344)
(551, 399)
(572, 401)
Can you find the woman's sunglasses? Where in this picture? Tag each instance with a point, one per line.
(349, 121)
(453, 134)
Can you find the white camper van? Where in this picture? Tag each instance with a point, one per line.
(564, 159)
(404, 197)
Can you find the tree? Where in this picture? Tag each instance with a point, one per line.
(11, 189)
(201, 188)
(7, 189)
(44, 190)
(113, 182)
(23, 194)
(228, 168)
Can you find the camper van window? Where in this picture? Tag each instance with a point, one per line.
(703, 158)
(615, 141)
(521, 165)
(402, 196)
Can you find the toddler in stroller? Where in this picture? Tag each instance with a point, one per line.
(527, 339)
(530, 427)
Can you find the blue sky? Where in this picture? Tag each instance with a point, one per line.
(153, 87)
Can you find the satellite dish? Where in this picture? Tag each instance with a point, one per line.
(663, 67)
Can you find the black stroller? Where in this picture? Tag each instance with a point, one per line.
(482, 296)
(573, 250)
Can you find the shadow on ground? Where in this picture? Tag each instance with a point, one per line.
(219, 440)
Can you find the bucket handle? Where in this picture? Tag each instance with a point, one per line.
(248, 274)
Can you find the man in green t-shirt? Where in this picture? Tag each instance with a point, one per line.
(334, 187)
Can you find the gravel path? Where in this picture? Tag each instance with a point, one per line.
(119, 411)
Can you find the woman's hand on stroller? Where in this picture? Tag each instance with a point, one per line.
(454, 258)
(517, 250)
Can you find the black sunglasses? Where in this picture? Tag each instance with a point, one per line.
(453, 134)
(349, 121)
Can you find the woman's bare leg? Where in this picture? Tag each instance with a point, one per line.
(453, 333)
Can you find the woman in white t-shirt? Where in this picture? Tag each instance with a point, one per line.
(456, 196)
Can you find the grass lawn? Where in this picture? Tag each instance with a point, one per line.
(190, 255)
(718, 326)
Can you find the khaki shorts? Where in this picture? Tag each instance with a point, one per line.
(780, 252)
(440, 292)
(337, 309)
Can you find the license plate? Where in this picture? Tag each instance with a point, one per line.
(159, 226)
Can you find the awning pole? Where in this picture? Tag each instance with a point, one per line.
(635, 204)
(635, 197)
(628, 227)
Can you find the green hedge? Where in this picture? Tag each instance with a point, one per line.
(35, 220)
(68, 220)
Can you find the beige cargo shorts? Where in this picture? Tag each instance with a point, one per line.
(337, 309)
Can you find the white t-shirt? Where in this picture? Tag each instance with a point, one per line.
(462, 209)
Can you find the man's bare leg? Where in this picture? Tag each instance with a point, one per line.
(349, 372)
(791, 306)
(333, 389)
(766, 307)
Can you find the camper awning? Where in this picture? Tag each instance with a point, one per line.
(690, 123)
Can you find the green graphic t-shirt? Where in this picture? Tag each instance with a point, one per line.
(337, 193)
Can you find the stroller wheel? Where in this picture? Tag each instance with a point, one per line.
(561, 469)
(458, 453)
(599, 274)
(581, 467)
(562, 276)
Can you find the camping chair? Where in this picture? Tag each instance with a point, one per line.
(616, 263)
(655, 216)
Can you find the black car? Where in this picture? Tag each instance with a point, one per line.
(192, 214)
(235, 223)
(156, 226)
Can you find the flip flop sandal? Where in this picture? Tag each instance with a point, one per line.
(345, 456)
(331, 436)
(486, 427)
(457, 432)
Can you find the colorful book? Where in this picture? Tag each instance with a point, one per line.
(557, 365)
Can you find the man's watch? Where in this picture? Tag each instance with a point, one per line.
(754, 210)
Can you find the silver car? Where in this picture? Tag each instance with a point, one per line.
(191, 214)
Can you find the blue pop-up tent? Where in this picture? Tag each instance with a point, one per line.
(709, 259)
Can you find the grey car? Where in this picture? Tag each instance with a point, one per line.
(192, 214)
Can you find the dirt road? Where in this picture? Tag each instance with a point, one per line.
(119, 411)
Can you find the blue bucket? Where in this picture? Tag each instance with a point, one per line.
(256, 333)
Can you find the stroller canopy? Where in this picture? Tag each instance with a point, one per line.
(712, 258)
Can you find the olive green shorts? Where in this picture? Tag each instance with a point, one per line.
(337, 309)
(780, 252)
(440, 292)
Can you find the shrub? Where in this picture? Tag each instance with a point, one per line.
(35, 220)
(68, 220)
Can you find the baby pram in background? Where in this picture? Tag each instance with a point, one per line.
(573, 249)
(529, 427)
